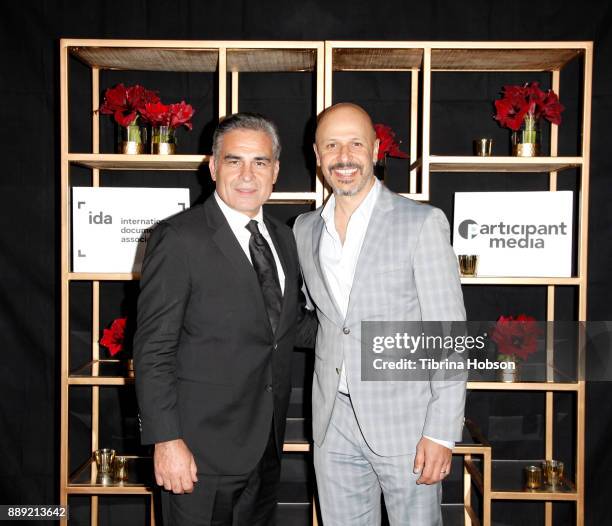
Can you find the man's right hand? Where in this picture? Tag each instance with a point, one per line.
(175, 467)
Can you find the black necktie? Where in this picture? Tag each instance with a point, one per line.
(265, 267)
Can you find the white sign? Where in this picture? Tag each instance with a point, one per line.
(516, 234)
(110, 225)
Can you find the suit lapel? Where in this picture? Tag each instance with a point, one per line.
(371, 243)
(225, 239)
(331, 309)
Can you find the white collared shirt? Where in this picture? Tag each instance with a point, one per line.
(339, 261)
(238, 221)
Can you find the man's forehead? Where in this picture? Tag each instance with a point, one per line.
(345, 123)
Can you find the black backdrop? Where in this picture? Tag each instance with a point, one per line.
(29, 142)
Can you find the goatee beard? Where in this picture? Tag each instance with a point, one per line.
(353, 191)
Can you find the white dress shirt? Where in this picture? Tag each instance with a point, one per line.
(238, 222)
(339, 261)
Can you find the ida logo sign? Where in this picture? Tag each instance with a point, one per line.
(518, 234)
(111, 225)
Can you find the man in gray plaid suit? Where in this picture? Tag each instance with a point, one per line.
(370, 254)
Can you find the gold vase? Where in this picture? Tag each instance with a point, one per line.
(163, 140)
(526, 141)
(133, 139)
(511, 374)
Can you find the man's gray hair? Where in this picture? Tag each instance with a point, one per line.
(246, 121)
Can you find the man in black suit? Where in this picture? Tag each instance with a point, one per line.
(218, 317)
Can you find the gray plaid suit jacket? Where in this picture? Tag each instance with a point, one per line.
(407, 271)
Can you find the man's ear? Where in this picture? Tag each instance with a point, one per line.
(314, 147)
(211, 168)
(276, 170)
(375, 151)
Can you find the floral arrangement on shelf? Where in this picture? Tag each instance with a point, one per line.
(387, 145)
(114, 337)
(527, 104)
(165, 119)
(171, 115)
(136, 106)
(516, 337)
(127, 104)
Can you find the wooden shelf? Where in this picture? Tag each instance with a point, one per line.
(492, 280)
(87, 481)
(507, 483)
(101, 372)
(102, 276)
(439, 163)
(118, 161)
(377, 59)
(523, 386)
(296, 447)
(481, 58)
(196, 56)
(455, 56)
(119, 276)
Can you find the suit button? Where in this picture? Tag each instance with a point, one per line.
(346, 330)
(268, 388)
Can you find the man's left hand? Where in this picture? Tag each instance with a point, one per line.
(432, 461)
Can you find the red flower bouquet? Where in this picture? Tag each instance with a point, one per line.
(113, 338)
(172, 115)
(516, 338)
(527, 102)
(387, 146)
(126, 104)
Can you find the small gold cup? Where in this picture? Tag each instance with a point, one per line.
(468, 264)
(483, 147)
(104, 460)
(533, 477)
(120, 468)
(553, 473)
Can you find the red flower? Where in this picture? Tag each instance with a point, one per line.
(552, 108)
(516, 337)
(510, 113)
(156, 113)
(518, 101)
(387, 144)
(112, 338)
(173, 115)
(180, 115)
(125, 104)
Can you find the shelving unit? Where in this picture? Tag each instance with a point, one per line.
(494, 479)
(228, 60)
(423, 60)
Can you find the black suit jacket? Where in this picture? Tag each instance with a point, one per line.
(209, 369)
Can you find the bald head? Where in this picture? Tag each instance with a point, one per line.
(346, 111)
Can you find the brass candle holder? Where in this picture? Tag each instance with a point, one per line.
(468, 264)
(483, 147)
(533, 477)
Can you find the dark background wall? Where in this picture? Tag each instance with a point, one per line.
(29, 142)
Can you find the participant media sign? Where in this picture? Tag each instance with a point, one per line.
(516, 234)
(110, 226)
